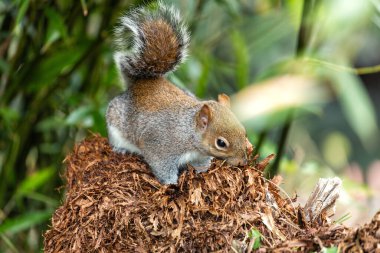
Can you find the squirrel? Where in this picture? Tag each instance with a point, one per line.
(168, 126)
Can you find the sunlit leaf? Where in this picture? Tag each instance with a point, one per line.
(278, 94)
(295, 11)
(22, 10)
(79, 115)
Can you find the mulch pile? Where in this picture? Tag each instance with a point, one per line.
(363, 239)
(114, 203)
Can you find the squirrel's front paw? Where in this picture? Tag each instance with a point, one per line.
(119, 150)
(202, 166)
(172, 179)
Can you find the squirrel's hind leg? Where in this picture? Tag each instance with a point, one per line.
(119, 143)
(165, 169)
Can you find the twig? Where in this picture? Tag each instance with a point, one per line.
(283, 191)
(273, 170)
(337, 67)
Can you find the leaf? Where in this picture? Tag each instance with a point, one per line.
(21, 11)
(52, 66)
(9, 243)
(56, 28)
(4, 67)
(330, 250)
(80, 115)
(175, 80)
(99, 125)
(35, 181)
(297, 91)
(57, 21)
(9, 116)
(24, 221)
(357, 107)
(232, 6)
(294, 8)
(343, 218)
(255, 235)
(43, 198)
(195, 72)
(241, 58)
(50, 123)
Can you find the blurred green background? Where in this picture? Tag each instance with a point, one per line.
(304, 78)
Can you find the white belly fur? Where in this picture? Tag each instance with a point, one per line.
(119, 142)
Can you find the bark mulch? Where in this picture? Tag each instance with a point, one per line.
(113, 203)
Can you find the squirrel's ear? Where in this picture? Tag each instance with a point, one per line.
(224, 100)
(203, 117)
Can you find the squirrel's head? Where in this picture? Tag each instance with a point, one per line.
(223, 136)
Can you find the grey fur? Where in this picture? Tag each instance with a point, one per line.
(165, 134)
(164, 137)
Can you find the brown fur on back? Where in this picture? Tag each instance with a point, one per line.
(158, 94)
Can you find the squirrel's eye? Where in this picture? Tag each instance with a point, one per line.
(221, 143)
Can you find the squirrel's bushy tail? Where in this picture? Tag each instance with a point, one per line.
(150, 41)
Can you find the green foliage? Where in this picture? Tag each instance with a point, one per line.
(357, 107)
(24, 221)
(57, 75)
(255, 236)
(330, 250)
(344, 218)
(34, 181)
(242, 59)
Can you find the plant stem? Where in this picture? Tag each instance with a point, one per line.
(302, 40)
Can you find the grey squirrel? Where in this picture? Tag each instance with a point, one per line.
(167, 126)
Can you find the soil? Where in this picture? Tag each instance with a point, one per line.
(113, 203)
